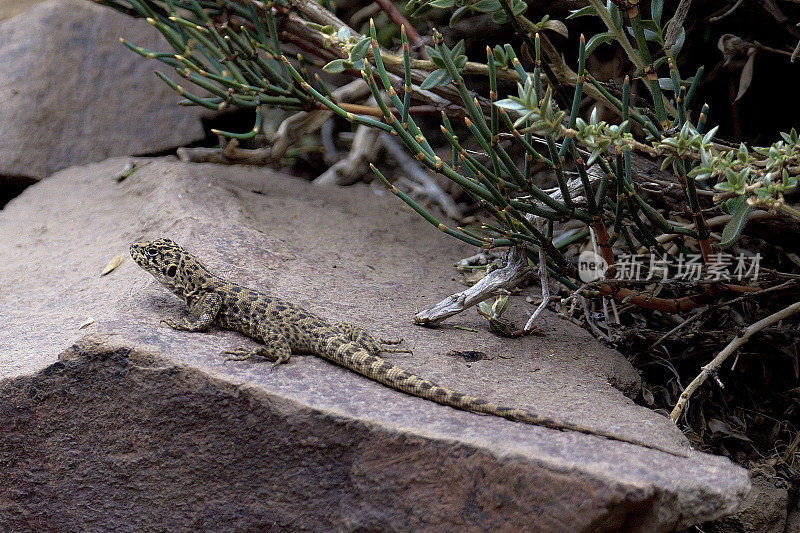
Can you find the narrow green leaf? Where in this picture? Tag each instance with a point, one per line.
(656, 8)
(731, 205)
(676, 48)
(615, 15)
(597, 40)
(487, 6)
(336, 66)
(500, 55)
(666, 84)
(435, 79)
(499, 17)
(458, 49)
(710, 135)
(360, 49)
(734, 228)
(511, 105)
(582, 12)
(243, 136)
(652, 36)
(457, 14)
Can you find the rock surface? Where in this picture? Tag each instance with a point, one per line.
(765, 510)
(72, 93)
(793, 514)
(137, 425)
(12, 8)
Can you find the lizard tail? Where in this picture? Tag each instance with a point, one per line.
(354, 357)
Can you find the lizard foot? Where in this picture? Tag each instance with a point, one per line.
(392, 343)
(279, 361)
(185, 325)
(239, 354)
(172, 323)
(243, 353)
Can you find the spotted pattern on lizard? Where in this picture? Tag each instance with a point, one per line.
(285, 328)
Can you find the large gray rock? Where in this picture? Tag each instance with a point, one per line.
(12, 8)
(765, 510)
(137, 426)
(71, 93)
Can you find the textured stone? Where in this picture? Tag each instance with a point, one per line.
(12, 8)
(72, 93)
(764, 511)
(139, 426)
(793, 515)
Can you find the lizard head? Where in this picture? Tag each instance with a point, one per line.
(170, 264)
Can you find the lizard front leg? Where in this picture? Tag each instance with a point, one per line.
(206, 307)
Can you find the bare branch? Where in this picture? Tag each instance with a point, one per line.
(492, 284)
(712, 367)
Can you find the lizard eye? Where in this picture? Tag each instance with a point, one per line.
(172, 270)
(152, 252)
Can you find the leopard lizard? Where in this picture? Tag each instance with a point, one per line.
(285, 328)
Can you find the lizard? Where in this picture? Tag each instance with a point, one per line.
(284, 327)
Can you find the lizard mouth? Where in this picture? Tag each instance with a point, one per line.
(137, 252)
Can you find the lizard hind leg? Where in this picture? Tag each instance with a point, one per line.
(394, 342)
(358, 336)
(366, 340)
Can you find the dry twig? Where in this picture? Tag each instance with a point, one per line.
(712, 367)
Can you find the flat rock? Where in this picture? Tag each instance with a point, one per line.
(765, 510)
(72, 93)
(12, 8)
(129, 423)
